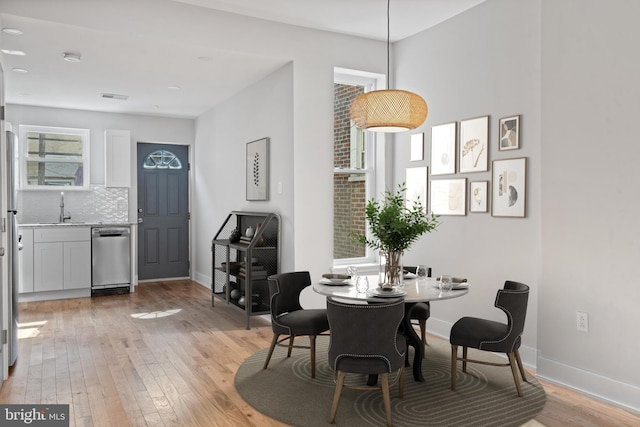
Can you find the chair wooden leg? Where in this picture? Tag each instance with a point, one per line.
(386, 398)
(291, 338)
(401, 383)
(519, 360)
(312, 345)
(464, 359)
(336, 396)
(423, 331)
(274, 341)
(514, 372)
(454, 365)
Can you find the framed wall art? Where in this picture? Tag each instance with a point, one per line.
(509, 188)
(257, 172)
(509, 133)
(416, 182)
(478, 196)
(417, 147)
(443, 149)
(448, 196)
(474, 145)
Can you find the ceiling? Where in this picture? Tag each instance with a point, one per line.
(170, 76)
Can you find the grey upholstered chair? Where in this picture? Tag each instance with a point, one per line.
(288, 318)
(365, 340)
(421, 311)
(489, 335)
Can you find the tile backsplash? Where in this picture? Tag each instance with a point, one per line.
(101, 204)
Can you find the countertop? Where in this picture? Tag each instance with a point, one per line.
(78, 224)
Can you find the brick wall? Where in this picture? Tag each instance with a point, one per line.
(349, 193)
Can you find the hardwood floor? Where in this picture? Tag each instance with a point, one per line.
(163, 356)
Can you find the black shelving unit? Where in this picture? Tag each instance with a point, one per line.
(241, 265)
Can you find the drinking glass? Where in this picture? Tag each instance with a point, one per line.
(445, 283)
(362, 284)
(421, 272)
(352, 271)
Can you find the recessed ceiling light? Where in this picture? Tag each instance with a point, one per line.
(12, 31)
(13, 52)
(205, 58)
(173, 87)
(20, 70)
(71, 57)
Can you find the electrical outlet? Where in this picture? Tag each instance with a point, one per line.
(582, 321)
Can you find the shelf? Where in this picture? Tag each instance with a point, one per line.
(264, 246)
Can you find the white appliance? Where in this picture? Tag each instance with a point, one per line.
(13, 244)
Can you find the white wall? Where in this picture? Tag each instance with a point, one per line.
(568, 68)
(591, 232)
(483, 62)
(263, 110)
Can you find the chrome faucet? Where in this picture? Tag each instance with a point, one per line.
(63, 217)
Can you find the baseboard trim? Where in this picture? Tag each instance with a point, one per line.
(591, 384)
(202, 279)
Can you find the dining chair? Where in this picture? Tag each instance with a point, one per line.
(365, 340)
(289, 319)
(422, 310)
(489, 335)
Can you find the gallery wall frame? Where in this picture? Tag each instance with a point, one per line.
(509, 133)
(473, 148)
(443, 149)
(417, 147)
(448, 196)
(416, 184)
(479, 196)
(257, 169)
(509, 195)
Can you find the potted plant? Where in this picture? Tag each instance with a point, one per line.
(394, 228)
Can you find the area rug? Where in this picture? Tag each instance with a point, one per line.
(484, 396)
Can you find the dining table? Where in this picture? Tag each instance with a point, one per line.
(413, 290)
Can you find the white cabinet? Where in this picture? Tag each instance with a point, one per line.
(61, 258)
(117, 154)
(25, 258)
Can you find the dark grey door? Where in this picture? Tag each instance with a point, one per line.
(163, 211)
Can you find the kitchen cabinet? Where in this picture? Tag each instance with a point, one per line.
(61, 258)
(117, 154)
(243, 260)
(25, 259)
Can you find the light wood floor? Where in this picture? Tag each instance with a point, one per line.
(163, 356)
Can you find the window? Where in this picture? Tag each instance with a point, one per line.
(54, 157)
(355, 169)
(162, 159)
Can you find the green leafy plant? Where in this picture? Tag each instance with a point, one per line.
(394, 226)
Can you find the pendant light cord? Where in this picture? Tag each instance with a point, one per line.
(388, 44)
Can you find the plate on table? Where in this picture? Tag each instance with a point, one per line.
(408, 275)
(379, 292)
(335, 279)
(456, 286)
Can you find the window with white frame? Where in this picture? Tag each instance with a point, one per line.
(354, 173)
(53, 157)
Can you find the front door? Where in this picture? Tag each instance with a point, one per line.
(163, 211)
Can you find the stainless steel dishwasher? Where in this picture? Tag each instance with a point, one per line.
(110, 260)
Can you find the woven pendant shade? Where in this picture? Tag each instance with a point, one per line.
(388, 110)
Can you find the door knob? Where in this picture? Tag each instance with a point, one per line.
(140, 220)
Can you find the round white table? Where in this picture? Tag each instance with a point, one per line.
(417, 291)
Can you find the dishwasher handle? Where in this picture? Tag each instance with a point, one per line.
(110, 232)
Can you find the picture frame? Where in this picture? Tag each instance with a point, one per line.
(448, 196)
(479, 196)
(509, 133)
(417, 147)
(416, 184)
(509, 196)
(443, 149)
(257, 170)
(473, 152)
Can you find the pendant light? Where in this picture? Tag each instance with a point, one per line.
(389, 110)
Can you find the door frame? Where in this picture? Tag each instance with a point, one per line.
(133, 198)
